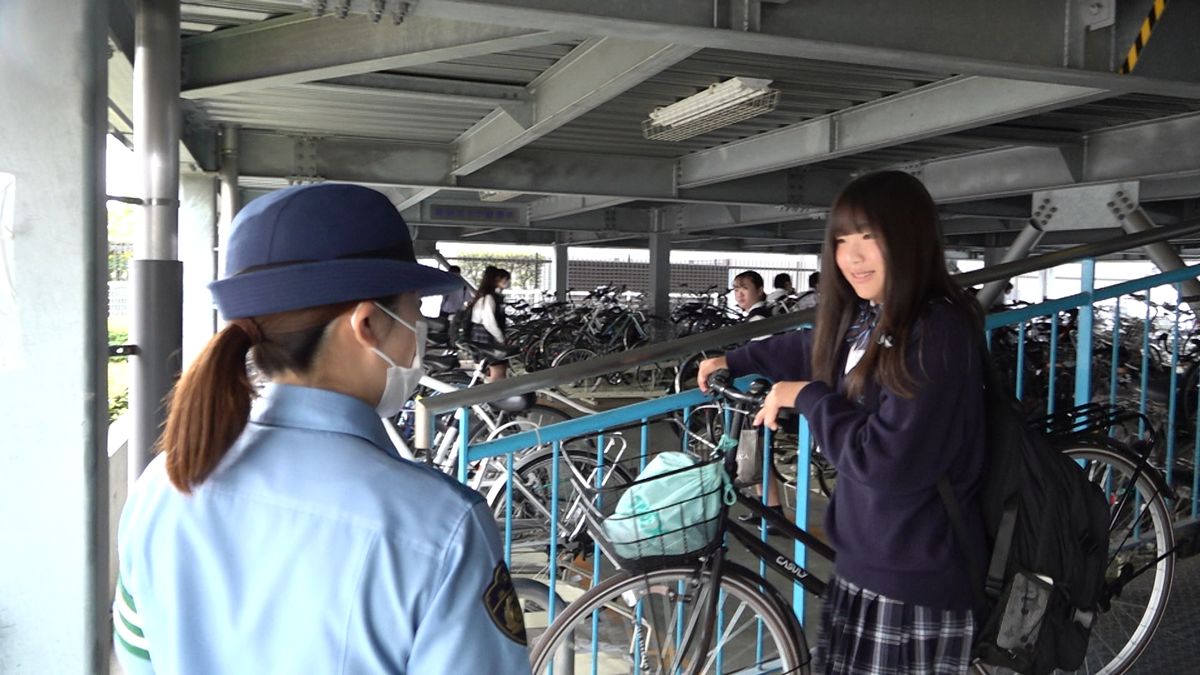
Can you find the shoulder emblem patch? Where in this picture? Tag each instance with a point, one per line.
(500, 601)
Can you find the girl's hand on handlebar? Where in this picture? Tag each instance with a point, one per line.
(708, 367)
(782, 395)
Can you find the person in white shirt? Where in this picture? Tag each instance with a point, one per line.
(783, 288)
(487, 313)
(808, 299)
(749, 296)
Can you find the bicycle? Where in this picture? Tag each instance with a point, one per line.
(693, 612)
(526, 505)
(620, 619)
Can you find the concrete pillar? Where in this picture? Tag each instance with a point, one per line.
(155, 274)
(660, 275)
(562, 258)
(54, 602)
(198, 252)
(1024, 243)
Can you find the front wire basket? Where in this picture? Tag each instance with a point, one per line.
(675, 533)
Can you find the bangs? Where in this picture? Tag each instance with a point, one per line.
(847, 219)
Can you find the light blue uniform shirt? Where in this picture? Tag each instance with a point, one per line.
(313, 549)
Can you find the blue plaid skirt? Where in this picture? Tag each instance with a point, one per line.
(863, 632)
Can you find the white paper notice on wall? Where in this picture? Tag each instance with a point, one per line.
(10, 319)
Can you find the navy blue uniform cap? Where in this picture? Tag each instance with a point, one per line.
(313, 245)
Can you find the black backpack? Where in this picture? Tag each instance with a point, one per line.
(1047, 526)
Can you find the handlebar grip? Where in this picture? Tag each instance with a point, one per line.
(718, 380)
(719, 383)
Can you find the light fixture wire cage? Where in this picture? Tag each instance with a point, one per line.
(703, 124)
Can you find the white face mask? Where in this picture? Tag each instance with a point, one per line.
(401, 381)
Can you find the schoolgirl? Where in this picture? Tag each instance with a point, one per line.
(488, 321)
(890, 381)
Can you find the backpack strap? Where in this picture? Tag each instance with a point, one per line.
(1003, 546)
(960, 533)
(1000, 551)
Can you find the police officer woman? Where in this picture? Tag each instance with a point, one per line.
(289, 537)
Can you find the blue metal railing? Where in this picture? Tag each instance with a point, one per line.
(1084, 358)
(1024, 323)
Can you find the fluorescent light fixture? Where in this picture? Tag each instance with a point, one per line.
(497, 195)
(720, 105)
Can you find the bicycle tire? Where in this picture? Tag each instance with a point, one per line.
(620, 597)
(1109, 651)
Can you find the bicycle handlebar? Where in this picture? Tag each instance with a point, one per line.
(719, 383)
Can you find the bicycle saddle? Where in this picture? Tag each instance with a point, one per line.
(437, 325)
(515, 403)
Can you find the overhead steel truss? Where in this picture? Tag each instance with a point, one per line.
(978, 74)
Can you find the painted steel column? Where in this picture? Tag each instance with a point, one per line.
(198, 254)
(660, 273)
(231, 197)
(1024, 243)
(1083, 342)
(54, 571)
(562, 261)
(1161, 253)
(156, 274)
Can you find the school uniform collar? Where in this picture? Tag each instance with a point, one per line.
(296, 407)
(760, 303)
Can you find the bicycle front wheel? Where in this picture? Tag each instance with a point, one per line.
(649, 623)
(1140, 540)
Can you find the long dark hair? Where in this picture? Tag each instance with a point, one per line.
(490, 283)
(903, 219)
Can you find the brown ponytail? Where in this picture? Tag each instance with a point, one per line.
(209, 407)
(210, 404)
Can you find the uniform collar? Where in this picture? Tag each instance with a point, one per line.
(751, 308)
(286, 405)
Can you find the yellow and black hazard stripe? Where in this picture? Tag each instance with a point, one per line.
(1143, 36)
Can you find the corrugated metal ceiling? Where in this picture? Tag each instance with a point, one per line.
(808, 88)
(338, 110)
(204, 16)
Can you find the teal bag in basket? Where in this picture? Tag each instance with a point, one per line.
(672, 515)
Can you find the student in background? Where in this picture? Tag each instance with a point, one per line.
(454, 301)
(783, 288)
(749, 296)
(488, 321)
(808, 299)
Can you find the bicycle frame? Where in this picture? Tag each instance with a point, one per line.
(779, 561)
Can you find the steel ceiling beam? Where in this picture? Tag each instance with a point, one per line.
(280, 158)
(1163, 152)
(1025, 41)
(941, 108)
(302, 48)
(455, 91)
(559, 206)
(593, 73)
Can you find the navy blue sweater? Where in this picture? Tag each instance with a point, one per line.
(886, 520)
